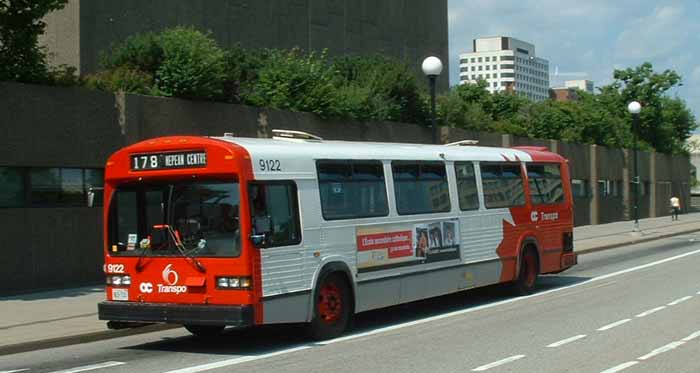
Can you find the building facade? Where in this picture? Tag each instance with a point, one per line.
(581, 84)
(506, 64)
(409, 30)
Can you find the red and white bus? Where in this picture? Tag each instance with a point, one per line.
(211, 232)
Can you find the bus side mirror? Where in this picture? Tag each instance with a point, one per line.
(91, 196)
(262, 228)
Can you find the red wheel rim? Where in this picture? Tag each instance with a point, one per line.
(529, 266)
(330, 303)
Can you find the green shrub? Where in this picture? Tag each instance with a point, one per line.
(379, 88)
(295, 81)
(139, 52)
(193, 65)
(121, 79)
(242, 66)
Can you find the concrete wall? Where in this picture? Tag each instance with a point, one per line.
(71, 127)
(406, 29)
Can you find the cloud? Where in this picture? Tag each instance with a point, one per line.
(664, 30)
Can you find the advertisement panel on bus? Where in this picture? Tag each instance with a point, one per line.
(396, 245)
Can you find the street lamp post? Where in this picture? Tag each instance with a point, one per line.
(634, 108)
(432, 67)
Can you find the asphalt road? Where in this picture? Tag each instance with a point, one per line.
(635, 308)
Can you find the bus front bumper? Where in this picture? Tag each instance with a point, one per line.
(174, 313)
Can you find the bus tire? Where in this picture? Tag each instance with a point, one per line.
(527, 274)
(205, 331)
(332, 309)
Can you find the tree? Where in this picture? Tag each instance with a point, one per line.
(21, 58)
(665, 122)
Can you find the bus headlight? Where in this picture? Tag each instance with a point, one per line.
(231, 282)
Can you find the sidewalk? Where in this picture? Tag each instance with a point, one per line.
(63, 317)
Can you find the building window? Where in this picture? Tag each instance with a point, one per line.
(12, 189)
(352, 189)
(59, 186)
(488, 67)
(507, 75)
(480, 59)
(473, 68)
(473, 60)
(420, 187)
(506, 58)
(495, 66)
(503, 185)
(480, 67)
(488, 76)
(488, 59)
(507, 66)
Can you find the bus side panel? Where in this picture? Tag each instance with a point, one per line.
(386, 292)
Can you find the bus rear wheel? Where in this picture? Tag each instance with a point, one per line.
(205, 331)
(332, 307)
(527, 276)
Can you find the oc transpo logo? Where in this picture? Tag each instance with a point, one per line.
(170, 277)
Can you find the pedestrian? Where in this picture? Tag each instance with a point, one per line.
(675, 207)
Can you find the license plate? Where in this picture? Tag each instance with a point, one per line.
(120, 294)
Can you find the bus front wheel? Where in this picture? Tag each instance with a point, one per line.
(205, 331)
(332, 307)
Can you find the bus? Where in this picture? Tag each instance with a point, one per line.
(215, 232)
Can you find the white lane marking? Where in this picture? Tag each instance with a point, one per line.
(691, 337)
(498, 363)
(85, 368)
(649, 312)
(616, 323)
(13, 371)
(661, 350)
(198, 368)
(567, 340)
(681, 300)
(620, 367)
(237, 360)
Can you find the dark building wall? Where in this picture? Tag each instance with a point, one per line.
(43, 246)
(406, 29)
(46, 248)
(579, 157)
(610, 184)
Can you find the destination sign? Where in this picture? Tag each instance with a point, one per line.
(160, 161)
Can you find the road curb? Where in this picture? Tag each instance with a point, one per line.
(81, 338)
(634, 241)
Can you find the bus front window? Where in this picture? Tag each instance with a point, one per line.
(151, 219)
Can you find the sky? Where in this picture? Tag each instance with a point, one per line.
(588, 39)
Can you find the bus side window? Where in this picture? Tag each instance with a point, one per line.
(545, 184)
(466, 186)
(277, 200)
(503, 185)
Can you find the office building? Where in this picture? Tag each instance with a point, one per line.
(506, 64)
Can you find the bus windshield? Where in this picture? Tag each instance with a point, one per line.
(151, 219)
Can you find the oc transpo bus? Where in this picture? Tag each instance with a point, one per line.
(211, 232)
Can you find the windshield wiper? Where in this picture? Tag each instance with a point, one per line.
(181, 247)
